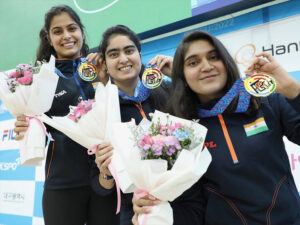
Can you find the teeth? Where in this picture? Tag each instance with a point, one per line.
(125, 68)
(68, 44)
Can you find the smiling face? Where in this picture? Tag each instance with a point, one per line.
(123, 60)
(65, 36)
(204, 71)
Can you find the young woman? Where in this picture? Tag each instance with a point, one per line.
(249, 180)
(121, 51)
(68, 197)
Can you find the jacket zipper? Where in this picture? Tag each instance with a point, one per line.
(228, 140)
(139, 106)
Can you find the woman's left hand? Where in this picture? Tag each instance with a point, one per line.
(164, 63)
(285, 83)
(138, 206)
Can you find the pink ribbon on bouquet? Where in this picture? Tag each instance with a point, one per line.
(115, 175)
(28, 118)
(140, 193)
(92, 150)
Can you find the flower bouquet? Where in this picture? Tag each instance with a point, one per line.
(29, 90)
(163, 158)
(89, 123)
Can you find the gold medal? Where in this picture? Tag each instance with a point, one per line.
(152, 78)
(260, 84)
(87, 71)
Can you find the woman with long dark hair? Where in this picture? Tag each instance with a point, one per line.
(68, 196)
(249, 180)
(121, 52)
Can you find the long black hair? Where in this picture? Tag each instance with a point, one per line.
(183, 102)
(45, 50)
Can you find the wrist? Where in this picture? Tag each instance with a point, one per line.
(106, 177)
(106, 183)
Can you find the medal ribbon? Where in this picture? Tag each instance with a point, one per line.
(236, 89)
(75, 74)
(141, 93)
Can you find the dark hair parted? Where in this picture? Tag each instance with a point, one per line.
(183, 101)
(118, 30)
(45, 50)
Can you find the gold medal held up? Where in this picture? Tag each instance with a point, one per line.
(260, 85)
(87, 71)
(257, 84)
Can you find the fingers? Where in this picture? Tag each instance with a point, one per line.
(93, 57)
(268, 56)
(160, 61)
(104, 153)
(19, 136)
(141, 205)
(21, 126)
(21, 118)
(134, 219)
(256, 65)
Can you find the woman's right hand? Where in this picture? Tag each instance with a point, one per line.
(100, 65)
(104, 153)
(21, 126)
(164, 63)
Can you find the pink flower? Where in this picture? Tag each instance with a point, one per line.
(157, 148)
(72, 117)
(146, 147)
(148, 140)
(171, 128)
(142, 143)
(89, 105)
(171, 151)
(178, 125)
(15, 74)
(25, 80)
(158, 138)
(163, 129)
(79, 112)
(81, 105)
(172, 141)
(27, 73)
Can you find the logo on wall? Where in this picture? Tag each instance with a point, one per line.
(97, 10)
(8, 135)
(13, 197)
(5, 166)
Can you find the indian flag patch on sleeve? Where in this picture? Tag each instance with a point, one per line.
(256, 127)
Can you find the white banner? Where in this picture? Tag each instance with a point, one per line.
(17, 197)
(280, 38)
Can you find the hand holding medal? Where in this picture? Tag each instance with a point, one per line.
(152, 76)
(259, 83)
(285, 83)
